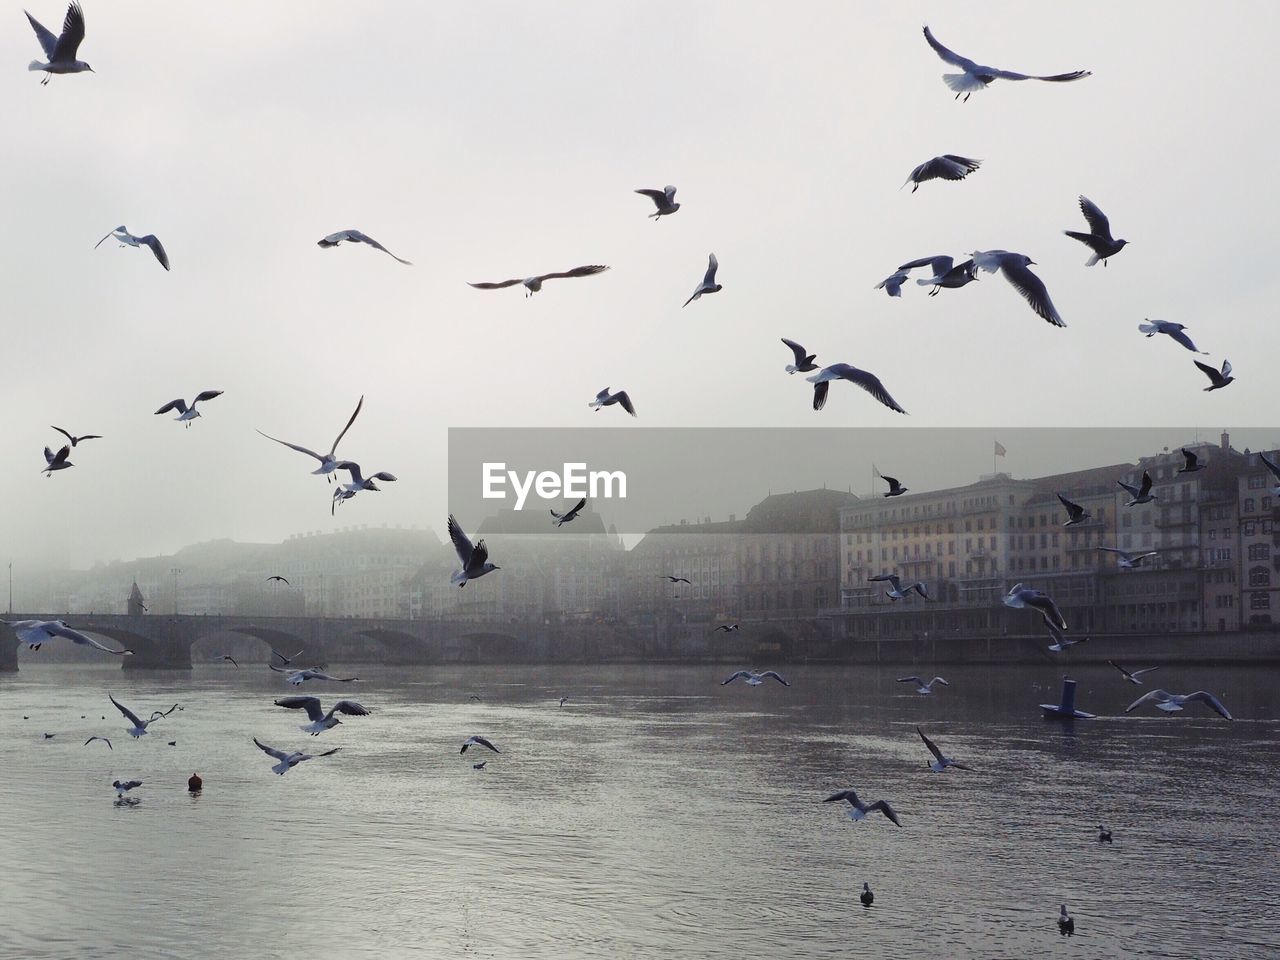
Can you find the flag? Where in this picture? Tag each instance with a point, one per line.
(1000, 450)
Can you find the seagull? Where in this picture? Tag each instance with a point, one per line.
(896, 590)
(804, 360)
(895, 488)
(173, 743)
(328, 461)
(56, 461)
(664, 200)
(1274, 468)
(666, 576)
(289, 760)
(1171, 330)
(708, 284)
(74, 439)
(1014, 267)
(1104, 835)
(287, 660)
(103, 739)
(921, 686)
(50, 736)
(1217, 378)
(755, 679)
(866, 896)
(1060, 639)
(478, 742)
(479, 766)
(1192, 464)
(534, 284)
(1099, 238)
(727, 628)
(35, 633)
(1132, 675)
(1020, 597)
(127, 239)
(977, 77)
(946, 167)
(61, 50)
(842, 371)
(124, 786)
(158, 714)
(892, 285)
(563, 701)
(562, 518)
(355, 236)
(1140, 494)
(139, 728)
(358, 482)
(474, 559)
(1066, 926)
(606, 399)
(321, 721)
(946, 272)
(1075, 512)
(1172, 702)
(278, 578)
(230, 658)
(299, 677)
(940, 763)
(187, 414)
(1127, 560)
(859, 810)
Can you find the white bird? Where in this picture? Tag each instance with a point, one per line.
(1217, 378)
(321, 721)
(1099, 238)
(946, 167)
(921, 686)
(1139, 494)
(1020, 597)
(975, 76)
(61, 50)
(187, 414)
(1127, 560)
(606, 399)
(124, 786)
(474, 558)
(892, 285)
(139, 728)
(1075, 512)
(290, 760)
(299, 677)
(664, 200)
(328, 461)
(35, 633)
(754, 679)
(56, 461)
(803, 358)
(1132, 675)
(896, 590)
(127, 239)
(708, 284)
(478, 742)
(358, 482)
(534, 284)
(355, 236)
(940, 763)
(1060, 639)
(1014, 268)
(842, 371)
(859, 810)
(945, 272)
(1172, 330)
(569, 515)
(1172, 702)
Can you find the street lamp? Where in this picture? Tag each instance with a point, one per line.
(175, 571)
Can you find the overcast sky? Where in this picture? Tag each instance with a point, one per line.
(491, 140)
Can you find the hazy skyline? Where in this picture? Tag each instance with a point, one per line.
(501, 140)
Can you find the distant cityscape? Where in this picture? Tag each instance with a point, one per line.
(793, 555)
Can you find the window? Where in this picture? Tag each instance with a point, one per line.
(1248, 505)
(1259, 551)
(1259, 577)
(1258, 481)
(1260, 601)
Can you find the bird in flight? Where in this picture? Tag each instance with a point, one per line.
(1133, 676)
(534, 284)
(321, 721)
(139, 728)
(664, 200)
(289, 760)
(803, 359)
(708, 284)
(1075, 512)
(74, 439)
(1273, 468)
(35, 633)
(187, 414)
(56, 461)
(345, 491)
(287, 660)
(1127, 560)
(1014, 268)
(1139, 494)
(328, 461)
(124, 786)
(1217, 378)
(975, 76)
(478, 742)
(1060, 639)
(922, 687)
(1020, 597)
(1172, 702)
(279, 578)
(127, 239)
(842, 371)
(754, 679)
(355, 236)
(299, 677)
(896, 590)
(859, 810)
(1171, 330)
(896, 489)
(946, 273)
(892, 285)
(103, 739)
(1099, 238)
(725, 627)
(946, 167)
(569, 515)
(474, 559)
(940, 763)
(666, 576)
(1191, 462)
(61, 50)
(606, 399)
(230, 659)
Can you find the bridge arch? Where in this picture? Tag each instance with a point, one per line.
(395, 646)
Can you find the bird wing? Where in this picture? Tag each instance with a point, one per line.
(309, 704)
(1052, 78)
(479, 554)
(383, 475)
(231, 658)
(849, 795)
(655, 195)
(1146, 483)
(75, 636)
(352, 468)
(1074, 509)
(1226, 368)
(65, 434)
(820, 391)
(1098, 222)
(152, 241)
(1044, 603)
(740, 673)
(364, 238)
(206, 395)
(587, 271)
(47, 40)
(1138, 673)
(327, 753)
(1179, 337)
(883, 807)
(775, 676)
(103, 739)
(933, 747)
(1273, 467)
(1156, 696)
(72, 34)
(1033, 291)
(179, 405)
(63, 452)
(1205, 697)
(1210, 372)
(129, 714)
(334, 448)
(278, 754)
(885, 577)
(580, 504)
(350, 708)
(950, 56)
(871, 383)
(496, 286)
(712, 265)
(294, 446)
(482, 742)
(939, 265)
(801, 354)
(625, 400)
(1123, 553)
(1133, 491)
(1191, 459)
(910, 680)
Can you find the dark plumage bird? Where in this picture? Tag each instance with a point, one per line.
(946, 167)
(478, 742)
(606, 399)
(859, 810)
(664, 200)
(666, 576)
(1133, 676)
(1075, 512)
(56, 461)
(975, 76)
(895, 488)
(355, 236)
(1104, 835)
(728, 628)
(278, 578)
(803, 359)
(1099, 238)
(867, 897)
(708, 284)
(1191, 462)
(1217, 378)
(569, 515)
(1172, 330)
(74, 439)
(232, 660)
(842, 371)
(1066, 926)
(534, 284)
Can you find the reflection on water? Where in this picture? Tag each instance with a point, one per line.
(656, 813)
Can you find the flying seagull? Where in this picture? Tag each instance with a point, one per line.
(664, 200)
(754, 679)
(474, 559)
(127, 239)
(328, 461)
(803, 359)
(1140, 494)
(1060, 639)
(60, 50)
(355, 236)
(1274, 468)
(74, 439)
(977, 77)
(892, 285)
(946, 272)
(1133, 676)
(1099, 238)
(1075, 512)
(1217, 378)
(1171, 330)
(56, 461)
(569, 515)
(921, 686)
(35, 633)
(606, 399)
(859, 810)
(278, 578)
(289, 760)
(287, 660)
(478, 742)
(895, 488)
(187, 414)
(124, 786)
(103, 739)
(1014, 268)
(946, 167)
(358, 482)
(480, 765)
(896, 590)
(940, 763)
(230, 659)
(708, 284)
(1020, 598)
(666, 576)
(299, 677)
(842, 371)
(321, 721)
(1191, 462)
(1127, 560)
(139, 728)
(534, 284)
(727, 628)
(1172, 702)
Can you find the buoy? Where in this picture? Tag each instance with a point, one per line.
(195, 784)
(1066, 710)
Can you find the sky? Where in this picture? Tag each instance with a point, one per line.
(491, 140)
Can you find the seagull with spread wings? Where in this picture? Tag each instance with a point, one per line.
(946, 167)
(1217, 378)
(74, 439)
(358, 482)
(1133, 676)
(708, 284)
(754, 679)
(859, 810)
(299, 677)
(560, 519)
(321, 721)
(139, 728)
(328, 461)
(922, 688)
(1075, 512)
(606, 399)
(289, 760)
(127, 239)
(940, 762)
(975, 76)
(803, 358)
(892, 285)
(61, 50)
(355, 236)
(896, 489)
(1014, 268)
(1139, 494)
(1020, 598)
(1172, 330)
(1191, 462)
(843, 371)
(534, 284)
(187, 414)
(478, 741)
(1172, 702)
(56, 461)
(474, 558)
(35, 633)
(664, 200)
(896, 590)
(1099, 238)
(1127, 560)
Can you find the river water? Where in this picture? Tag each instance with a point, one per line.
(656, 814)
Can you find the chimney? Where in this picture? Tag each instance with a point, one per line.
(1226, 441)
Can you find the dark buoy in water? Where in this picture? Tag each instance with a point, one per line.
(1066, 925)
(867, 897)
(1104, 834)
(1066, 710)
(195, 784)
